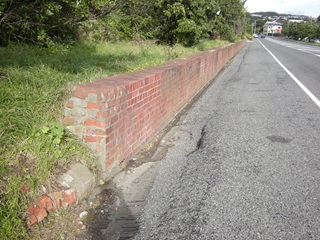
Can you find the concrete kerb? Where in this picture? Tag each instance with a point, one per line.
(80, 179)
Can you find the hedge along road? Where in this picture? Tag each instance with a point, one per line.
(243, 162)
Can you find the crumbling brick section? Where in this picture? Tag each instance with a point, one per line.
(48, 203)
(117, 115)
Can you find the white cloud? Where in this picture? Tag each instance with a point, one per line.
(305, 7)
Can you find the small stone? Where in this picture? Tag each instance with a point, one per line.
(81, 225)
(44, 190)
(83, 214)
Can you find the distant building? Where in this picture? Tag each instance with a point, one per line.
(272, 18)
(256, 15)
(270, 28)
(298, 20)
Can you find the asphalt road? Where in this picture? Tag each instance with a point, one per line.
(301, 59)
(244, 161)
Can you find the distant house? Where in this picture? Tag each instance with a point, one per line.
(270, 28)
(296, 19)
(256, 15)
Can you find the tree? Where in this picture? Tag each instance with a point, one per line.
(232, 19)
(184, 21)
(259, 25)
(285, 26)
(132, 19)
(308, 30)
(177, 21)
(303, 30)
(45, 21)
(293, 30)
(169, 21)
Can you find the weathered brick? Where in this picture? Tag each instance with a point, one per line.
(80, 92)
(70, 197)
(45, 202)
(100, 132)
(112, 103)
(114, 119)
(57, 199)
(32, 210)
(36, 213)
(68, 121)
(109, 162)
(41, 214)
(91, 139)
(69, 104)
(94, 123)
(102, 114)
(91, 105)
(92, 97)
(32, 220)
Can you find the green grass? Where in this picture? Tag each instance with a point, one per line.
(34, 84)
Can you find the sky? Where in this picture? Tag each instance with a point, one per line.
(300, 7)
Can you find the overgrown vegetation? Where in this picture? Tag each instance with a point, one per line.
(35, 83)
(46, 22)
(169, 21)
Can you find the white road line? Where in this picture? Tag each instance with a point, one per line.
(313, 50)
(298, 46)
(314, 99)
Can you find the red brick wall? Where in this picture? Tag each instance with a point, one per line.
(117, 115)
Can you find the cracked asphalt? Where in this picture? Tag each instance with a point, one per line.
(245, 162)
(242, 163)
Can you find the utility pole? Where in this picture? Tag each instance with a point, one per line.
(255, 26)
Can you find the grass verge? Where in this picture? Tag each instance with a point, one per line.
(35, 83)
